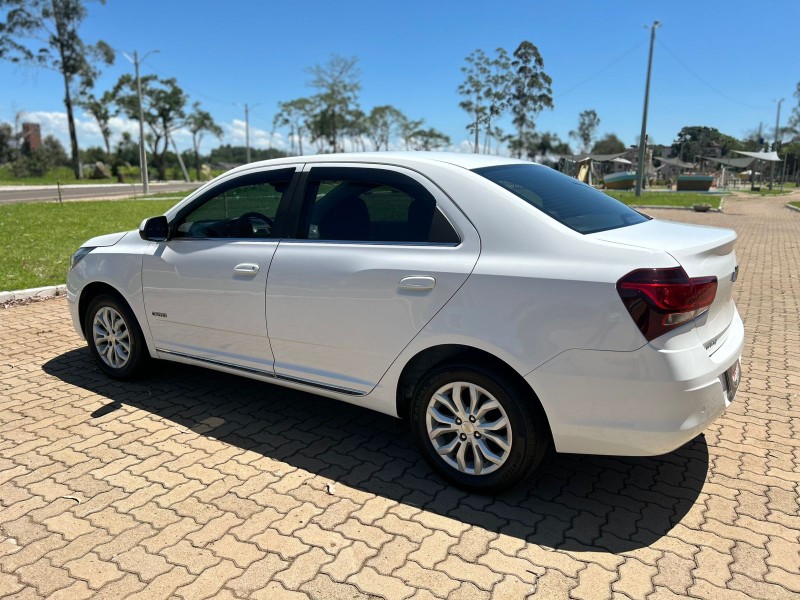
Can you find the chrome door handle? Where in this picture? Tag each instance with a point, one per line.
(246, 269)
(417, 283)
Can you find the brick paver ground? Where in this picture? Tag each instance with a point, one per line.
(195, 484)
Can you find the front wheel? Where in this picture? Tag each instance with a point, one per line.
(477, 428)
(115, 339)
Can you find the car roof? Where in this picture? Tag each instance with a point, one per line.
(410, 158)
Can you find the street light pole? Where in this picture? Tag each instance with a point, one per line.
(142, 151)
(777, 137)
(643, 135)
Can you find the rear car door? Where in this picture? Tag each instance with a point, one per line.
(379, 251)
(204, 289)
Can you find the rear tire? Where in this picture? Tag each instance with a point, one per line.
(114, 337)
(478, 429)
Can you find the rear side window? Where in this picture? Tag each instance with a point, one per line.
(372, 205)
(567, 200)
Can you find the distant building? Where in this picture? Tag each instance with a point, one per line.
(31, 137)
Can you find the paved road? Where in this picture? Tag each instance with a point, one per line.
(14, 194)
(198, 484)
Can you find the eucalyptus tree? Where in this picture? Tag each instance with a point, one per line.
(474, 90)
(408, 129)
(531, 92)
(296, 115)
(383, 122)
(588, 122)
(44, 33)
(199, 122)
(497, 91)
(337, 84)
(163, 106)
(101, 109)
(429, 139)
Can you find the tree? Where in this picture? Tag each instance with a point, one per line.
(163, 105)
(497, 93)
(7, 143)
(101, 111)
(588, 122)
(429, 139)
(45, 33)
(531, 92)
(473, 89)
(408, 128)
(337, 82)
(198, 123)
(383, 121)
(608, 144)
(295, 114)
(693, 141)
(793, 126)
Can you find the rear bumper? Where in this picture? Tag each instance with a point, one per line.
(641, 403)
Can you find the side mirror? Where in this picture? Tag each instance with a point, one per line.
(154, 229)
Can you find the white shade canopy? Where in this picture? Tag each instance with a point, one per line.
(768, 156)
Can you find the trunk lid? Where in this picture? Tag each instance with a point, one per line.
(701, 251)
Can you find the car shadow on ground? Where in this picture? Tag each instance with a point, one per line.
(578, 503)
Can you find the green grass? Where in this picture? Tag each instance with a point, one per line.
(62, 175)
(39, 238)
(795, 204)
(680, 199)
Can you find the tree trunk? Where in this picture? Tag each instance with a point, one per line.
(107, 143)
(73, 137)
(477, 130)
(197, 162)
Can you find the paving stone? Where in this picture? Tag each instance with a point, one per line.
(209, 582)
(370, 581)
(257, 574)
(194, 488)
(303, 568)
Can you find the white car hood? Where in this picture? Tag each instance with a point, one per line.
(105, 240)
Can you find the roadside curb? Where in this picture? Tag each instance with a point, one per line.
(47, 291)
(790, 207)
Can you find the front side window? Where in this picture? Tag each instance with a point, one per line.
(370, 205)
(243, 208)
(570, 202)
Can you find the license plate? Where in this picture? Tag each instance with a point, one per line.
(733, 376)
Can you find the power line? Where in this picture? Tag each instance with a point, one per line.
(601, 71)
(710, 86)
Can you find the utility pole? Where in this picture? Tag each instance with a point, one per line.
(142, 151)
(777, 137)
(247, 130)
(643, 135)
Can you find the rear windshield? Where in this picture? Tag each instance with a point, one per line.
(567, 200)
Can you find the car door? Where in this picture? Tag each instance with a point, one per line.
(204, 288)
(379, 251)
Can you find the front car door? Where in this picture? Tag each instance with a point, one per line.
(204, 288)
(379, 251)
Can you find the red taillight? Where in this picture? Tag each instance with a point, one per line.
(661, 299)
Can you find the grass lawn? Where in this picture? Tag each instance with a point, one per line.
(795, 204)
(62, 175)
(39, 238)
(682, 199)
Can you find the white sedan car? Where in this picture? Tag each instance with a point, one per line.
(496, 305)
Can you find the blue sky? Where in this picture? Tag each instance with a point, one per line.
(722, 64)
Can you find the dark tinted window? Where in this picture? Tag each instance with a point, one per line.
(567, 200)
(243, 208)
(370, 205)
